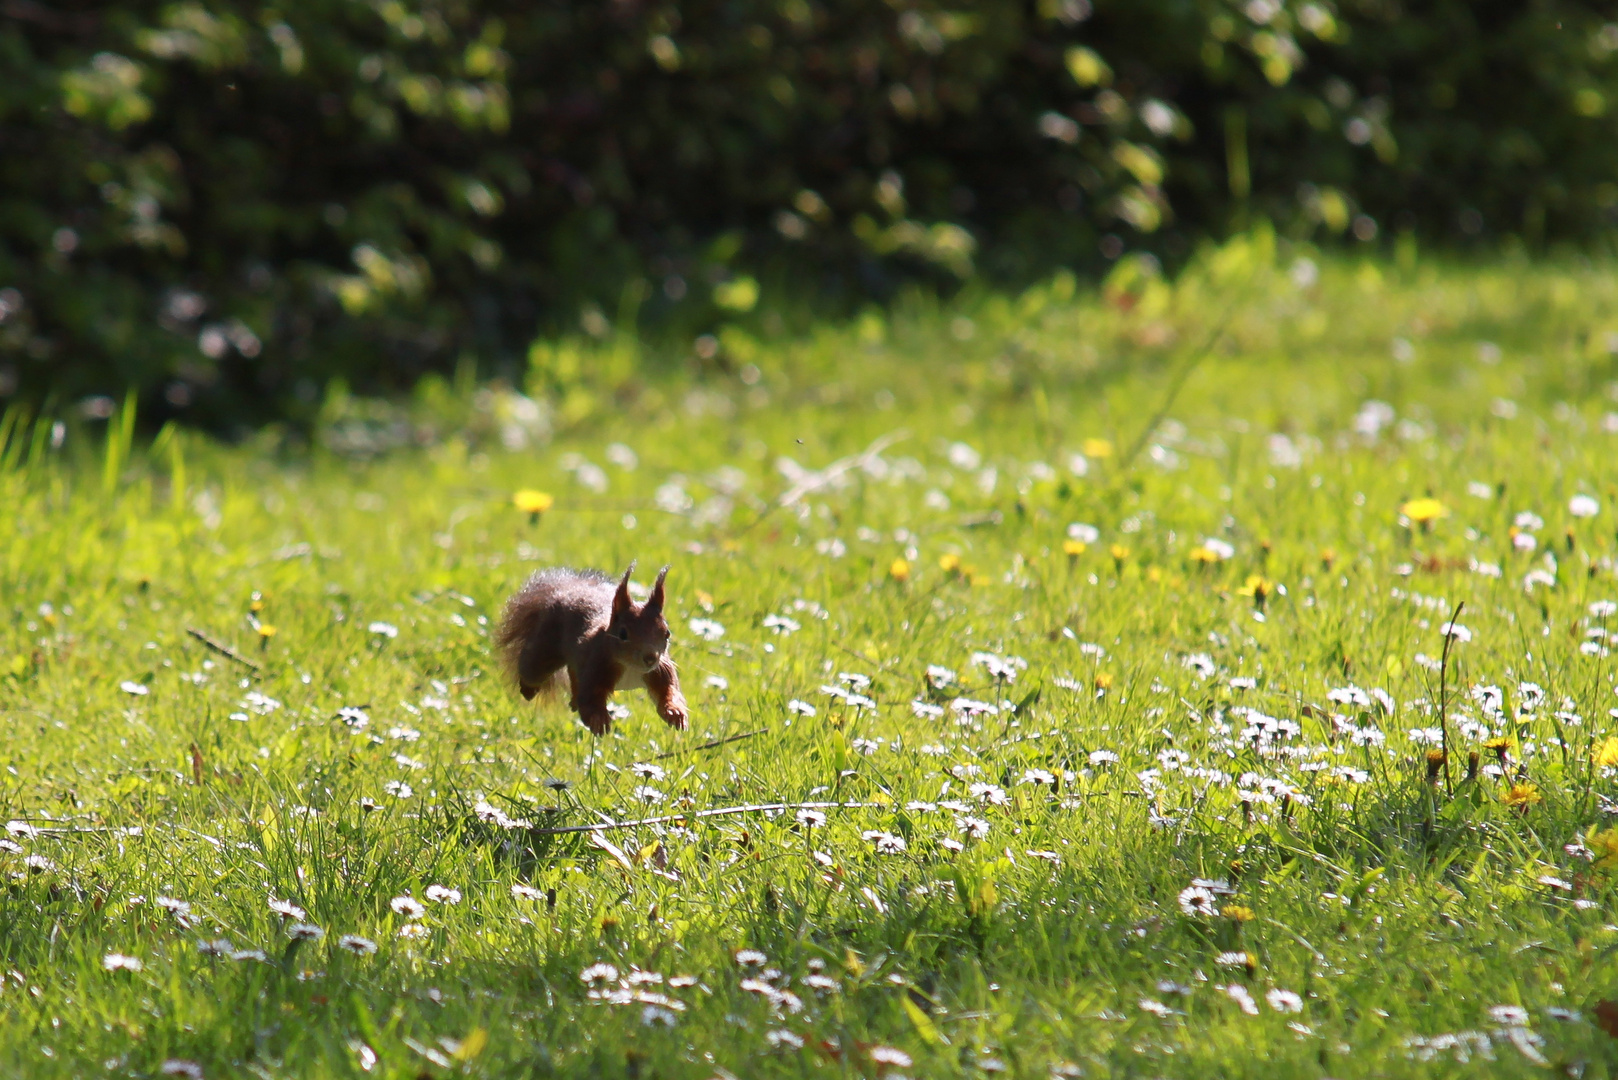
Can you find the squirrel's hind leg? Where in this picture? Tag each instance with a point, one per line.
(537, 665)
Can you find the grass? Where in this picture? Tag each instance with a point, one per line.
(1170, 714)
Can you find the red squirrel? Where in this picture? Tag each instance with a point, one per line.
(576, 620)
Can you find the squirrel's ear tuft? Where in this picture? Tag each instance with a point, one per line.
(621, 604)
(654, 604)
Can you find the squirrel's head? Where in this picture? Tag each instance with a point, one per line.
(639, 634)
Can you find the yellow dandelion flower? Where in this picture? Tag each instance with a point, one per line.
(266, 631)
(1327, 557)
(1520, 796)
(899, 570)
(1202, 555)
(1603, 845)
(950, 564)
(1606, 755)
(1424, 511)
(1097, 448)
(1501, 745)
(1119, 553)
(1238, 913)
(1103, 681)
(532, 502)
(1153, 574)
(1258, 588)
(1074, 548)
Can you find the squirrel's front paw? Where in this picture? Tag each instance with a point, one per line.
(674, 713)
(599, 723)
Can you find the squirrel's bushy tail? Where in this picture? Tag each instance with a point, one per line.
(518, 624)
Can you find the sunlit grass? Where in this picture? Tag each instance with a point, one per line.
(1125, 705)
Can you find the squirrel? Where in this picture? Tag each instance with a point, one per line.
(577, 621)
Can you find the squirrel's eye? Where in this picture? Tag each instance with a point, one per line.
(623, 633)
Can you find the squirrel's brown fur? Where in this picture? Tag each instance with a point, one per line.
(579, 622)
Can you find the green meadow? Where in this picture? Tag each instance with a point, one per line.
(1195, 677)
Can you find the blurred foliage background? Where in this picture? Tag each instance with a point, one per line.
(230, 207)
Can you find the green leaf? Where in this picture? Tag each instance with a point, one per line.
(923, 1023)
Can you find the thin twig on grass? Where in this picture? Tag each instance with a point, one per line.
(1299, 938)
(722, 811)
(710, 745)
(815, 480)
(818, 479)
(1443, 691)
(79, 830)
(221, 648)
(1176, 384)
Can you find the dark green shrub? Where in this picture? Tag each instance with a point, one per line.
(224, 205)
